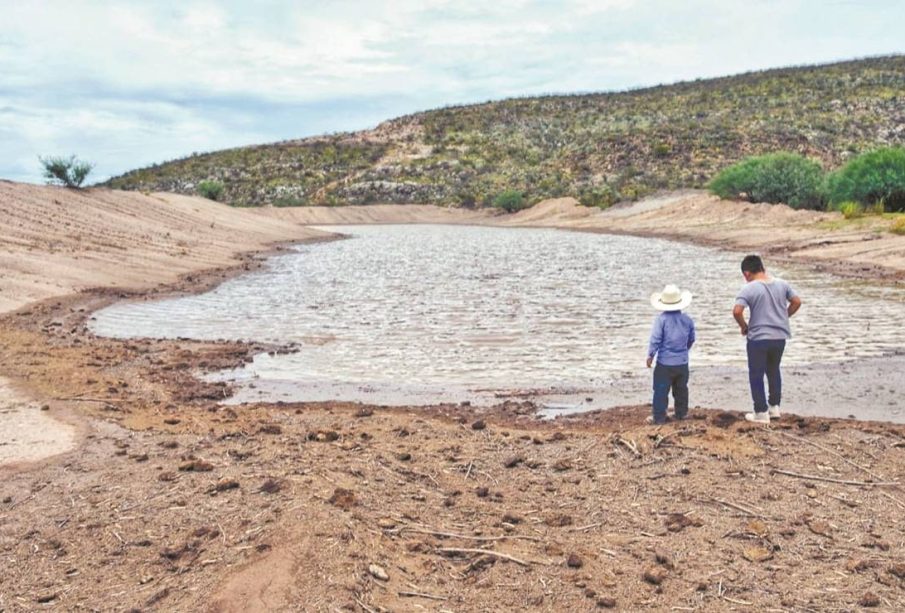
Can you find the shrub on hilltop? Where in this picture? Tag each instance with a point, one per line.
(69, 172)
(876, 177)
(782, 177)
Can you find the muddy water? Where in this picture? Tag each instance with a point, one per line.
(420, 313)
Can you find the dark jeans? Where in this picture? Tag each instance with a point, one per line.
(763, 359)
(666, 378)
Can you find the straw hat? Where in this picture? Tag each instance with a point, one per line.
(670, 299)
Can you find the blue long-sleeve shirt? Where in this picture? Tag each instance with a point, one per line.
(671, 338)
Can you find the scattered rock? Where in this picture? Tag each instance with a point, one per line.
(869, 600)
(558, 520)
(820, 527)
(663, 558)
(364, 412)
(898, 570)
(323, 436)
(478, 425)
(224, 485)
(606, 602)
(513, 461)
(481, 492)
(166, 476)
(562, 465)
(403, 457)
(510, 518)
(378, 572)
(270, 429)
(343, 498)
(271, 486)
(757, 554)
(676, 522)
(655, 575)
(171, 421)
(386, 523)
(574, 561)
(198, 466)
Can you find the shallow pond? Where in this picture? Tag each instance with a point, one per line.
(460, 309)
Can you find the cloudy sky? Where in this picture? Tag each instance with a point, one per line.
(126, 84)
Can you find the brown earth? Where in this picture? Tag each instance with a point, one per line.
(173, 502)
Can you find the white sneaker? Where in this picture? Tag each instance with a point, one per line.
(774, 412)
(761, 418)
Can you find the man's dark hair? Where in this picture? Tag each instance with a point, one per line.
(752, 264)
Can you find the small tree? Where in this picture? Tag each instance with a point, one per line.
(212, 190)
(776, 177)
(69, 172)
(510, 201)
(871, 178)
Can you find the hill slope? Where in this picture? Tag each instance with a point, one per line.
(600, 147)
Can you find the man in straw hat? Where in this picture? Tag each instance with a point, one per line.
(770, 302)
(670, 339)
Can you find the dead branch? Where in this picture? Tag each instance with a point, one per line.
(488, 552)
(831, 480)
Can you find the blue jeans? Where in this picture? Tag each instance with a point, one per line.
(666, 378)
(763, 359)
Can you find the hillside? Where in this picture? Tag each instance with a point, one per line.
(598, 147)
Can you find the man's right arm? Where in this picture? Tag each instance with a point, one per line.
(794, 305)
(738, 312)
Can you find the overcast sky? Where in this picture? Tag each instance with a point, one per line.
(127, 84)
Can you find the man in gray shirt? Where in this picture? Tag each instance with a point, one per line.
(770, 302)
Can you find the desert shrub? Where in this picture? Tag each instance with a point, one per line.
(876, 176)
(782, 177)
(510, 201)
(898, 226)
(851, 210)
(212, 190)
(603, 196)
(70, 172)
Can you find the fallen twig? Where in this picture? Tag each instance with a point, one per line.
(831, 480)
(738, 507)
(422, 595)
(488, 552)
(502, 537)
(828, 450)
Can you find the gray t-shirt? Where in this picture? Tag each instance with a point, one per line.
(768, 303)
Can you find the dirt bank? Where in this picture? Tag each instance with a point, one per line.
(55, 241)
(861, 248)
(174, 502)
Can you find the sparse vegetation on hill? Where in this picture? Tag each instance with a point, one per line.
(600, 148)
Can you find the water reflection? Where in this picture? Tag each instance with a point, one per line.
(481, 307)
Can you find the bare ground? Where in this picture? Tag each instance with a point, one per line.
(173, 502)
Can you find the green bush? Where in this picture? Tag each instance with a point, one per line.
(69, 172)
(510, 201)
(212, 190)
(781, 177)
(898, 226)
(851, 210)
(874, 177)
(602, 196)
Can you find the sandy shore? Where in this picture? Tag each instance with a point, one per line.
(175, 502)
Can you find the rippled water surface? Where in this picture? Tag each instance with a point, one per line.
(478, 307)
